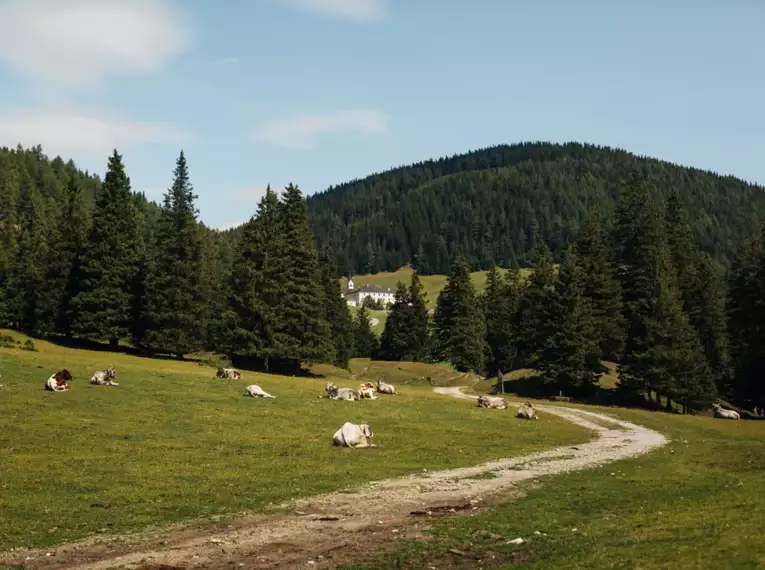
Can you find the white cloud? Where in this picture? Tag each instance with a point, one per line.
(79, 42)
(302, 132)
(358, 10)
(78, 134)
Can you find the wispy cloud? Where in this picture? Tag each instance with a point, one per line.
(79, 134)
(253, 194)
(358, 10)
(301, 132)
(80, 42)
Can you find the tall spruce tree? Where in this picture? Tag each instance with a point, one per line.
(707, 314)
(175, 301)
(26, 286)
(746, 311)
(458, 325)
(500, 301)
(601, 286)
(365, 341)
(394, 342)
(337, 314)
(536, 305)
(255, 288)
(301, 331)
(9, 229)
(682, 249)
(405, 336)
(103, 308)
(571, 355)
(75, 220)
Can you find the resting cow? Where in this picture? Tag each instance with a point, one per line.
(721, 412)
(527, 412)
(492, 402)
(257, 392)
(335, 393)
(385, 388)
(353, 435)
(104, 378)
(229, 374)
(59, 381)
(367, 391)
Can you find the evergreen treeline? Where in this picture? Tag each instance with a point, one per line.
(88, 259)
(634, 288)
(497, 205)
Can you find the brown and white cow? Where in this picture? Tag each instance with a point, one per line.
(367, 390)
(229, 374)
(59, 382)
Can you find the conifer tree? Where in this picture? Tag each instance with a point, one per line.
(247, 328)
(70, 251)
(500, 301)
(571, 355)
(707, 315)
(405, 336)
(394, 342)
(682, 249)
(458, 325)
(301, 331)
(418, 322)
(9, 229)
(103, 308)
(536, 305)
(601, 286)
(746, 311)
(337, 314)
(175, 301)
(365, 341)
(27, 285)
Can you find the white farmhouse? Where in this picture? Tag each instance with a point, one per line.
(355, 297)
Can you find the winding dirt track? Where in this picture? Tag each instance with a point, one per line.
(339, 526)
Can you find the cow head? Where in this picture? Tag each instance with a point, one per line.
(366, 430)
(331, 388)
(111, 373)
(64, 375)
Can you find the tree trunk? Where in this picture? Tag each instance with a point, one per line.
(114, 342)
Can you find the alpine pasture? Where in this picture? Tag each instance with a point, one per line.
(171, 443)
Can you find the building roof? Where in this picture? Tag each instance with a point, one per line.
(372, 289)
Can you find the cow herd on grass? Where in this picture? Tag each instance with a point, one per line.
(349, 435)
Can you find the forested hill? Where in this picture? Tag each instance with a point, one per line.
(495, 204)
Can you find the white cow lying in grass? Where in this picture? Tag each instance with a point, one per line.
(353, 435)
(104, 378)
(721, 412)
(335, 393)
(492, 402)
(257, 392)
(229, 374)
(527, 412)
(385, 388)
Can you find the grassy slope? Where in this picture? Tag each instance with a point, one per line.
(697, 503)
(432, 284)
(171, 443)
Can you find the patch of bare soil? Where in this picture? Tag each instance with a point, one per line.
(322, 531)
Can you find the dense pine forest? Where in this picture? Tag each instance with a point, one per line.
(658, 268)
(498, 204)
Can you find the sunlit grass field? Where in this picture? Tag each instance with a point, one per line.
(171, 443)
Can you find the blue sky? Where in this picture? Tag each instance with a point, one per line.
(318, 92)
